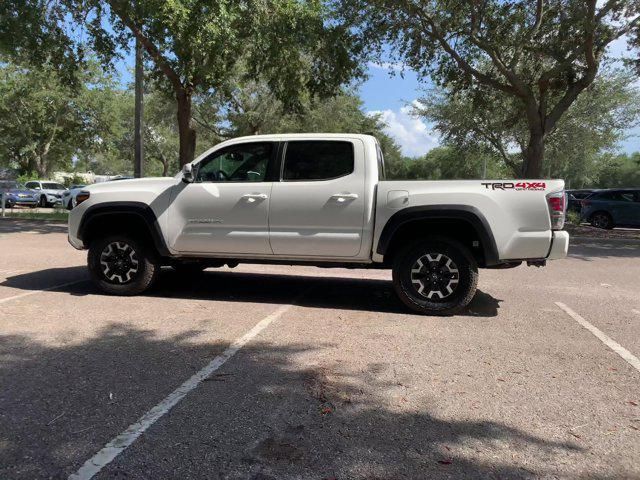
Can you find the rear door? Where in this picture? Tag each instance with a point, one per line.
(317, 208)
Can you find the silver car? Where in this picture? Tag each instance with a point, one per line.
(49, 192)
(69, 197)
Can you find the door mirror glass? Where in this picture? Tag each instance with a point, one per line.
(187, 173)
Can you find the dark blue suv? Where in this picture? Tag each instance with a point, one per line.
(612, 208)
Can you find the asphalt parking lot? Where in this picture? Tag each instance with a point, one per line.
(315, 373)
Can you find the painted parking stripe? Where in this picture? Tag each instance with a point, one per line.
(603, 337)
(33, 292)
(120, 443)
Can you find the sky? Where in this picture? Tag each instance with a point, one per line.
(390, 94)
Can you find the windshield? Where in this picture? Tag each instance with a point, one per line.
(53, 186)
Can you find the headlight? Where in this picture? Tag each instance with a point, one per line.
(82, 196)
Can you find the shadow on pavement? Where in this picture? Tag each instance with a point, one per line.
(325, 292)
(264, 415)
(589, 251)
(19, 225)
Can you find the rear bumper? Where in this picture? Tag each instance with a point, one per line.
(559, 245)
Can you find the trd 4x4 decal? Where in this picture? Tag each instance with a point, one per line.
(514, 185)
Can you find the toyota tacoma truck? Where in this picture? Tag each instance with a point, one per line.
(323, 200)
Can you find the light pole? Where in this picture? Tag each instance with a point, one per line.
(138, 142)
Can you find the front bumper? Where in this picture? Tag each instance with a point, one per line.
(559, 245)
(20, 201)
(75, 242)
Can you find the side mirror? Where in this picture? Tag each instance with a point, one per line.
(187, 173)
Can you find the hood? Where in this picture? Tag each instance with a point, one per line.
(20, 191)
(135, 184)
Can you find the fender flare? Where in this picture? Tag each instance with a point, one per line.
(139, 209)
(466, 213)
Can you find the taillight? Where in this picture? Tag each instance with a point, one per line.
(557, 203)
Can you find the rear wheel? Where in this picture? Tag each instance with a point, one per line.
(602, 220)
(121, 265)
(435, 277)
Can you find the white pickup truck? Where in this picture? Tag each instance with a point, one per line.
(317, 199)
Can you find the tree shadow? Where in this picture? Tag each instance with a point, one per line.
(226, 285)
(265, 414)
(18, 225)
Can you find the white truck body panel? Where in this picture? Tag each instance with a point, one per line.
(336, 220)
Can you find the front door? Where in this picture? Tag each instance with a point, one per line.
(317, 209)
(226, 208)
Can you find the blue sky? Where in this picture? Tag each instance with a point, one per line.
(390, 96)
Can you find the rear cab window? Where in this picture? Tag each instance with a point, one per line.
(316, 160)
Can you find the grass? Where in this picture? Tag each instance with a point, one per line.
(35, 214)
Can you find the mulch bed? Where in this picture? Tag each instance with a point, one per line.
(589, 231)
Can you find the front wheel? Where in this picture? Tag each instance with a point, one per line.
(121, 265)
(435, 277)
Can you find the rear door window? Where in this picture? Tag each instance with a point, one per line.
(317, 160)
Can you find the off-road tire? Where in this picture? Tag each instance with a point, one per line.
(467, 275)
(148, 266)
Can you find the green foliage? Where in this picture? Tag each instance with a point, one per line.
(46, 121)
(594, 123)
(536, 57)
(573, 217)
(447, 163)
(619, 171)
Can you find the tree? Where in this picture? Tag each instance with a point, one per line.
(448, 163)
(254, 109)
(537, 54)
(46, 122)
(619, 170)
(197, 45)
(594, 123)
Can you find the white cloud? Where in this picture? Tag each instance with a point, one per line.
(413, 135)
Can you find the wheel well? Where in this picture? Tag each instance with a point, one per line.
(454, 228)
(129, 223)
(600, 211)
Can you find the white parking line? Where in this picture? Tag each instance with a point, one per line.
(604, 338)
(33, 292)
(120, 443)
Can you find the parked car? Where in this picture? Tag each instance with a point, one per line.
(319, 199)
(574, 197)
(612, 208)
(69, 196)
(17, 194)
(49, 193)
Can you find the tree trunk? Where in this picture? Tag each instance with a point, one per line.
(185, 128)
(165, 164)
(534, 154)
(41, 167)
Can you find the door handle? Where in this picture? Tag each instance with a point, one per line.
(343, 197)
(252, 197)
